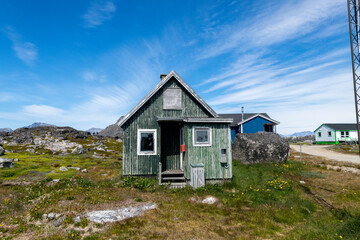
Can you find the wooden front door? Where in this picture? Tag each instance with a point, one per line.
(170, 146)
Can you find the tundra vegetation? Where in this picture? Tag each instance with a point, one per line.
(289, 200)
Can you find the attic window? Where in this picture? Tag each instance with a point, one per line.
(146, 142)
(172, 99)
(319, 134)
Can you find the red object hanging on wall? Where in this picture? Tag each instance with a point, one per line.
(182, 147)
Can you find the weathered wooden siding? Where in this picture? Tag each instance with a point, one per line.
(209, 155)
(146, 118)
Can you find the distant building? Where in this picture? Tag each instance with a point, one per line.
(250, 123)
(335, 133)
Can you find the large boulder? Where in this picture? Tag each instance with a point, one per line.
(260, 147)
(112, 130)
(2, 150)
(79, 150)
(6, 163)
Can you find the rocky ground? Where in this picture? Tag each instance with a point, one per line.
(57, 140)
(57, 192)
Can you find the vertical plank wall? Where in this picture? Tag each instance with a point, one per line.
(209, 155)
(146, 118)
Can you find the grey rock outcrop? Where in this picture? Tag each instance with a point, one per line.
(6, 163)
(79, 150)
(63, 169)
(59, 221)
(261, 147)
(119, 214)
(2, 151)
(112, 130)
(28, 135)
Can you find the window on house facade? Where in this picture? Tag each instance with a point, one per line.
(172, 99)
(202, 136)
(146, 142)
(329, 133)
(319, 134)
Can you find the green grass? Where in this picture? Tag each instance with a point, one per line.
(263, 201)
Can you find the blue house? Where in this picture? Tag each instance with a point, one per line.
(250, 123)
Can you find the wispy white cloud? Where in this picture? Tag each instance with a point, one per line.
(25, 51)
(274, 24)
(98, 13)
(6, 97)
(42, 110)
(91, 76)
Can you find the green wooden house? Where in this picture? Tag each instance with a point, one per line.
(174, 134)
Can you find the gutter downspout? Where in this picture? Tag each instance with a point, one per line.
(242, 119)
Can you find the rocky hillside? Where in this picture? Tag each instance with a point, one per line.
(27, 135)
(113, 130)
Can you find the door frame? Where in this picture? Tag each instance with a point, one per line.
(181, 142)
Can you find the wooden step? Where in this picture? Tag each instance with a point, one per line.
(173, 172)
(177, 185)
(173, 178)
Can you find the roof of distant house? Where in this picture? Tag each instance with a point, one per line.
(247, 116)
(341, 126)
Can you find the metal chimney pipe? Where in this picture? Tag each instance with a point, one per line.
(242, 113)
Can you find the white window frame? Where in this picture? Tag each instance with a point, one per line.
(202, 144)
(154, 131)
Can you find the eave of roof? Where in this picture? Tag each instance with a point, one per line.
(195, 120)
(340, 126)
(259, 115)
(158, 87)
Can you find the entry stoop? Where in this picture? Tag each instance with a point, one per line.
(175, 178)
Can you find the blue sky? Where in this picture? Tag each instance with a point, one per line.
(86, 63)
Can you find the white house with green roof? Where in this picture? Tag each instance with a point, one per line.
(335, 133)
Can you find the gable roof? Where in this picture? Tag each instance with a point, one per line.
(158, 87)
(247, 117)
(340, 126)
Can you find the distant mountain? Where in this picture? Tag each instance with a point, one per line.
(6, 130)
(38, 124)
(94, 130)
(298, 134)
(302, 134)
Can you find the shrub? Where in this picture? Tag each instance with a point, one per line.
(143, 184)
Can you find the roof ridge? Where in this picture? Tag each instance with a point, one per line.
(158, 87)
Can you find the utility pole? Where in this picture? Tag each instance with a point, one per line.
(353, 11)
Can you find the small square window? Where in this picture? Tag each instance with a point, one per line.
(329, 133)
(319, 134)
(202, 136)
(146, 142)
(172, 99)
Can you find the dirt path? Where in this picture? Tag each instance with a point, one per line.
(321, 151)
